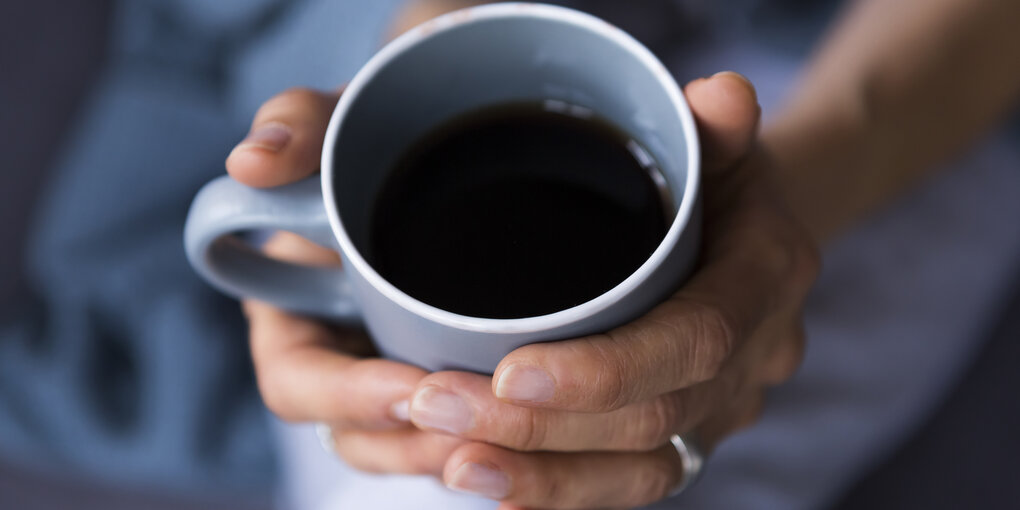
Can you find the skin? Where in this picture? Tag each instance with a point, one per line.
(596, 435)
(698, 362)
(897, 88)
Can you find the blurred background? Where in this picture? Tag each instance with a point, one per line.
(125, 382)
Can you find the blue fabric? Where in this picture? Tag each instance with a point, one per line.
(123, 363)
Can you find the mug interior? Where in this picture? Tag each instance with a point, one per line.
(490, 61)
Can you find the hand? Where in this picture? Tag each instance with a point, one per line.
(306, 370)
(585, 423)
(310, 371)
(698, 362)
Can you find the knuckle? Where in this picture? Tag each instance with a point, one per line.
(654, 481)
(531, 432)
(555, 490)
(655, 424)
(609, 371)
(715, 340)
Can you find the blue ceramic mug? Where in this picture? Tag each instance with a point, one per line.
(459, 62)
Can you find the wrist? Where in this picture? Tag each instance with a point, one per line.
(823, 160)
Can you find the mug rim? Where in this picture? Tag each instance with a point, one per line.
(685, 208)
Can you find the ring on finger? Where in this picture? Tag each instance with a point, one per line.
(692, 459)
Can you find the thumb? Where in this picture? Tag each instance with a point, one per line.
(285, 141)
(726, 109)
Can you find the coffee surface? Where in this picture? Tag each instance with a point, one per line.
(517, 210)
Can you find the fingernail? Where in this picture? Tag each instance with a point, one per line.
(436, 408)
(739, 77)
(401, 411)
(480, 480)
(525, 384)
(273, 136)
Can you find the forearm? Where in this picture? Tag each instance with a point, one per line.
(898, 87)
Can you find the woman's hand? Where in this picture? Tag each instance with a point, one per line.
(586, 423)
(309, 371)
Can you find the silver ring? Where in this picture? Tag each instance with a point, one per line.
(325, 433)
(691, 458)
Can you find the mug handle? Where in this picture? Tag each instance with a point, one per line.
(225, 208)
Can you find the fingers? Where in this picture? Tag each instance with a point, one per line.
(303, 377)
(307, 371)
(753, 269)
(588, 479)
(285, 141)
(682, 342)
(286, 136)
(290, 247)
(295, 249)
(687, 340)
(462, 404)
(564, 480)
(406, 451)
(726, 109)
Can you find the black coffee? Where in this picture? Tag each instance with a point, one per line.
(517, 211)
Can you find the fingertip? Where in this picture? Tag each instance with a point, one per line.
(463, 383)
(471, 469)
(272, 137)
(452, 379)
(381, 391)
(740, 82)
(470, 452)
(449, 402)
(727, 111)
(285, 140)
(530, 358)
(569, 375)
(255, 166)
(726, 97)
(524, 383)
(255, 160)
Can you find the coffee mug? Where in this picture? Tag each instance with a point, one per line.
(459, 62)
